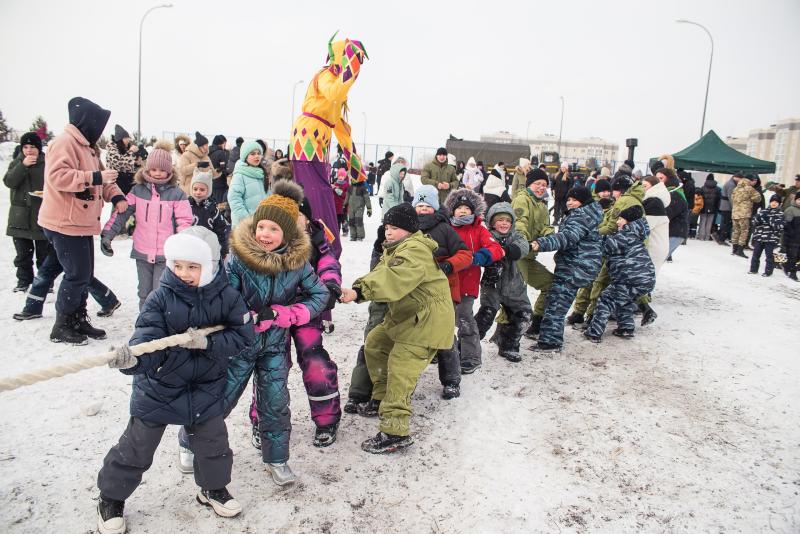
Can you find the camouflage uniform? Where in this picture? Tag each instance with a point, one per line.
(577, 262)
(357, 199)
(743, 197)
(533, 221)
(632, 275)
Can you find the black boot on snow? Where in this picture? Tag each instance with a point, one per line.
(26, 315)
(383, 443)
(649, 315)
(369, 408)
(64, 331)
(108, 312)
(351, 406)
(109, 516)
(738, 250)
(83, 326)
(546, 348)
(584, 325)
(590, 337)
(222, 502)
(511, 355)
(533, 330)
(575, 318)
(451, 391)
(625, 334)
(325, 435)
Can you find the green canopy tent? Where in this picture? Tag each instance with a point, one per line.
(711, 154)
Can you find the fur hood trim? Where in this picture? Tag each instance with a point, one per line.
(475, 198)
(243, 243)
(282, 170)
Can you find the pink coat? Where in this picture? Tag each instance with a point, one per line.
(73, 199)
(159, 211)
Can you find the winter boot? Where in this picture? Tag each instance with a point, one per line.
(738, 250)
(109, 516)
(383, 442)
(581, 327)
(623, 333)
(546, 348)
(108, 312)
(281, 473)
(752, 271)
(64, 331)
(325, 435)
(451, 391)
(21, 287)
(369, 408)
(575, 318)
(649, 315)
(328, 327)
(26, 315)
(222, 502)
(592, 338)
(255, 437)
(533, 330)
(83, 326)
(351, 406)
(469, 367)
(185, 461)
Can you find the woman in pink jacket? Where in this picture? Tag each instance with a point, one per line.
(75, 188)
(161, 209)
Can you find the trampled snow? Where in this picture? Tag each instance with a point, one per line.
(690, 427)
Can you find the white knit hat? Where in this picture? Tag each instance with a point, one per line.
(196, 244)
(202, 177)
(524, 162)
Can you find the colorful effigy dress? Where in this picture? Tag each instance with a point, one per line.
(324, 113)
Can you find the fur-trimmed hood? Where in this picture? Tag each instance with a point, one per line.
(282, 170)
(500, 207)
(474, 198)
(181, 137)
(243, 243)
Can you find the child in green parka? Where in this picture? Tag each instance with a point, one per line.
(419, 322)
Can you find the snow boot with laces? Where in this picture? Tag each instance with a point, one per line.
(64, 331)
(83, 326)
(325, 435)
(451, 391)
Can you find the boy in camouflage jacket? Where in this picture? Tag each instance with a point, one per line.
(766, 234)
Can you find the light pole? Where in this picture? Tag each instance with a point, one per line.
(294, 90)
(561, 128)
(710, 60)
(365, 133)
(528, 132)
(139, 108)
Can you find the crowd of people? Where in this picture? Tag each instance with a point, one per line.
(231, 238)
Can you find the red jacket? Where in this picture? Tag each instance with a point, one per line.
(338, 198)
(476, 237)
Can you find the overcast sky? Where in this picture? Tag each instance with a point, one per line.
(625, 68)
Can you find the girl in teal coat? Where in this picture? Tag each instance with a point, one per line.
(247, 186)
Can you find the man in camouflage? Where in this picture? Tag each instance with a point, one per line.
(743, 197)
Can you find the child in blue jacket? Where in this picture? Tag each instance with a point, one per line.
(179, 385)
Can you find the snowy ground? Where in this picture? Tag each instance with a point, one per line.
(690, 427)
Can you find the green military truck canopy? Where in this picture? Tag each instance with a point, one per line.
(711, 154)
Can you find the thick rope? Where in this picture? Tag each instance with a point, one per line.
(56, 371)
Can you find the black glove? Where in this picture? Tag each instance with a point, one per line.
(266, 314)
(513, 252)
(491, 274)
(335, 292)
(446, 267)
(105, 247)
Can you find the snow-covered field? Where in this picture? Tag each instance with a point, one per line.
(690, 427)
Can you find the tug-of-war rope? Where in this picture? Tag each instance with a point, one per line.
(56, 371)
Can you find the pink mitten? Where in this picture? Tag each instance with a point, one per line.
(283, 316)
(261, 326)
(300, 314)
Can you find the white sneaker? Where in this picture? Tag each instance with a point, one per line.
(281, 473)
(222, 502)
(185, 461)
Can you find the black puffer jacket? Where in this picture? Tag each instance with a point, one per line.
(219, 159)
(438, 227)
(711, 196)
(178, 386)
(207, 214)
(678, 213)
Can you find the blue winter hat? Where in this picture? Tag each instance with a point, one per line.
(247, 148)
(426, 194)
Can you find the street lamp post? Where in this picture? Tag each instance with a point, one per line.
(294, 90)
(561, 128)
(528, 132)
(139, 108)
(365, 133)
(710, 60)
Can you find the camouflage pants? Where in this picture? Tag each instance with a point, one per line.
(355, 218)
(394, 369)
(536, 275)
(741, 228)
(360, 383)
(559, 298)
(619, 299)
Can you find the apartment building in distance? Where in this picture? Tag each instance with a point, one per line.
(779, 143)
(572, 150)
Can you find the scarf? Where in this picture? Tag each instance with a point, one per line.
(463, 220)
(151, 180)
(257, 173)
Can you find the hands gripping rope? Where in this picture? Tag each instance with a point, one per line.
(118, 358)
